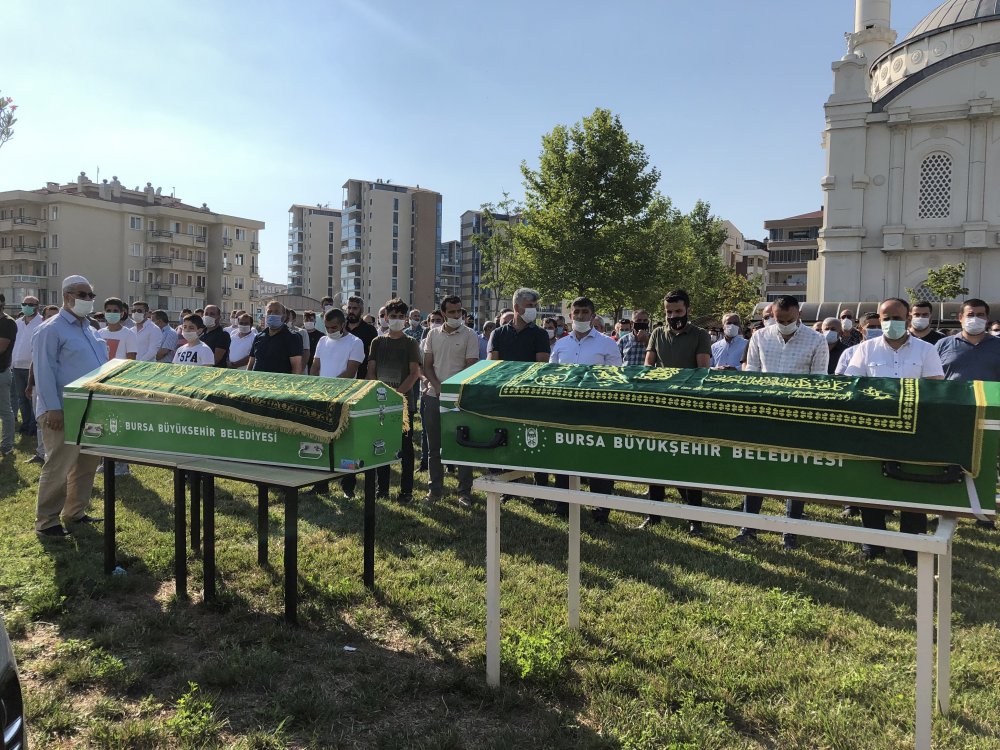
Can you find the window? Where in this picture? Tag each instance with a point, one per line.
(239, 259)
(55, 240)
(935, 187)
(241, 234)
(55, 268)
(395, 217)
(135, 222)
(54, 213)
(173, 278)
(175, 227)
(135, 275)
(135, 249)
(395, 204)
(237, 282)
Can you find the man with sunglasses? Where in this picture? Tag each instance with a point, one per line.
(65, 348)
(632, 345)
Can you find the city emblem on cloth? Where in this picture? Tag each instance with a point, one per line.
(531, 437)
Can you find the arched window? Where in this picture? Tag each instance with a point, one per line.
(922, 292)
(935, 187)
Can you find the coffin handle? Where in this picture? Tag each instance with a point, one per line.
(462, 438)
(949, 474)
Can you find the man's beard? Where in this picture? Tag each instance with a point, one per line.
(352, 318)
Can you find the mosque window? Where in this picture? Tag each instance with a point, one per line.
(935, 187)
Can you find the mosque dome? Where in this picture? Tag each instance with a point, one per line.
(953, 14)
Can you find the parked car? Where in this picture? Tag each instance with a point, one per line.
(11, 705)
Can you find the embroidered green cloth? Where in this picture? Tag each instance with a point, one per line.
(317, 408)
(936, 422)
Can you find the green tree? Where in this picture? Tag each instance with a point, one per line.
(592, 215)
(500, 270)
(7, 119)
(944, 282)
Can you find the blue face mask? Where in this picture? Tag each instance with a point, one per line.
(273, 321)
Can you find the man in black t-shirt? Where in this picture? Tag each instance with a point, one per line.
(215, 336)
(315, 334)
(276, 349)
(920, 323)
(354, 309)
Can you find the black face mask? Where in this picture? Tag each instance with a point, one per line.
(678, 323)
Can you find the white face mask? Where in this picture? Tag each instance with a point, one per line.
(529, 315)
(395, 325)
(190, 335)
(83, 307)
(138, 317)
(551, 332)
(919, 324)
(309, 325)
(245, 329)
(334, 335)
(973, 326)
(414, 322)
(327, 308)
(209, 321)
(789, 329)
(731, 330)
(768, 322)
(581, 326)
(454, 323)
(847, 324)
(831, 337)
(436, 325)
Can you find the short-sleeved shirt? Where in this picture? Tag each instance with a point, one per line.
(168, 340)
(239, 347)
(836, 352)
(334, 355)
(367, 333)
(217, 338)
(593, 349)
(450, 351)
(875, 358)
(197, 353)
(392, 357)
(931, 338)
(963, 360)
(519, 346)
(120, 343)
(315, 335)
(729, 353)
(273, 353)
(21, 347)
(805, 353)
(679, 348)
(8, 330)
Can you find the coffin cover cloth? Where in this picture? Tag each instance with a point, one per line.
(934, 422)
(316, 408)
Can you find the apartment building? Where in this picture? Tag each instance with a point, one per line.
(389, 243)
(481, 301)
(271, 289)
(449, 271)
(792, 244)
(134, 244)
(314, 237)
(753, 263)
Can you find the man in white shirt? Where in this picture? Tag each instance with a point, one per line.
(585, 345)
(339, 354)
(147, 335)
(447, 350)
(241, 341)
(894, 354)
(789, 347)
(20, 362)
(168, 336)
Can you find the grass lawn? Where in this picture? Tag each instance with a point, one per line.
(684, 643)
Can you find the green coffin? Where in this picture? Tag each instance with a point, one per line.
(756, 438)
(325, 424)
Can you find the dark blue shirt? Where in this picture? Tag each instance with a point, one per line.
(966, 361)
(273, 353)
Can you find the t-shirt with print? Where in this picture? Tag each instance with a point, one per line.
(120, 343)
(195, 354)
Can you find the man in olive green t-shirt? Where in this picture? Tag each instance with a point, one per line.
(679, 343)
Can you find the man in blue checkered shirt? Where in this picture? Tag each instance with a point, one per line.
(633, 345)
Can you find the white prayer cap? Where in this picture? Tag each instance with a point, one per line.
(71, 281)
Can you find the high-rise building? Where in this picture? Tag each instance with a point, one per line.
(792, 244)
(389, 243)
(134, 244)
(449, 271)
(481, 301)
(314, 250)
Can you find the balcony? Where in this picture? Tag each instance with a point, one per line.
(200, 263)
(199, 288)
(159, 260)
(174, 238)
(24, 224)
(227, 292)
(162, 285)
(22, 252)
(354, 208)
(15, 279)
(226, 242)
(350, 246)
(200, 238)
(255, 246)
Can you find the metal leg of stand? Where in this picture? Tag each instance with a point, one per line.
(195, 511)
(262, 525)
(944, 633)
(925, 649)
(368, 574)
(291, 555)
(180, 547)
(110, 553)
(492, 589)
(573, 568)
(208, 555)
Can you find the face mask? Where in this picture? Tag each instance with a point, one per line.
(731, 330)
(973, 326)
(847, 324)
(27, 310)
(831, 337)
(396, 325)
(190, 335)
(551, 332)
(327, 308)
(414, 322)
(770, 322)
(112, 318)
(559, 330)
(209, 321)
(677, 323)
(138, 317)
(333, 336)
(873, 333)
(529, 315)
(581, 326)
(920, 324)
(789, 329)
(893, 329)
(436, 325)
(274, 321)
(454, 323)
(309, 325)
(245, 329)
(995, 333)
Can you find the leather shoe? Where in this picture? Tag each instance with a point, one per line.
(745, 537)
(35, 459)
(694, 529)
(88, 519)
(56, 530)
(790, 541)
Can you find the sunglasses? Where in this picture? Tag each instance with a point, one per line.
(83, 295)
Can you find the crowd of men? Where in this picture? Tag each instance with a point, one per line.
(45, 348)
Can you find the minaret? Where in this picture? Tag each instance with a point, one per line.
(873, 34)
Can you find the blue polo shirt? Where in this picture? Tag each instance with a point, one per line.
(963, 360)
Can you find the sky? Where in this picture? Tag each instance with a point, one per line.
(252, 106)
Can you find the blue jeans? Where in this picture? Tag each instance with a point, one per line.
(22, 403)
(6, 412)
